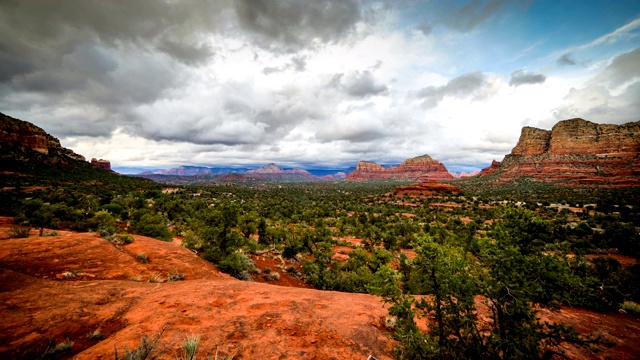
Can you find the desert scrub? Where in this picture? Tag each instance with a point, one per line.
(174, 275)
(147, 350)
(273, 276)
(69, 274)
(190, 347)
(17, 232)
(95, 335)
(125, 239)
(237, 265)
(143, 258)
(631, 307)
(156, 277)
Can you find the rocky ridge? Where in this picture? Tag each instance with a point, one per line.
(23, 136)
(429, 188)
(422, 168)
(576, 152)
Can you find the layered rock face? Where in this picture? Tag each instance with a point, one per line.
(576, 151)
(18, 134)
(422, 168)
(101, 164)
(429, 188)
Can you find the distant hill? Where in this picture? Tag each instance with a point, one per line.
(185, 175)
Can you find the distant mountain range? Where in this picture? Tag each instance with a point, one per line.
(270, 172)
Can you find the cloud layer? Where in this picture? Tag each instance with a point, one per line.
(328, 83)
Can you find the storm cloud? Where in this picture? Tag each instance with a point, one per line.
(521, 77)
(470, 85)
(238, 82)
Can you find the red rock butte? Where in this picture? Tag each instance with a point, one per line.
(576, 151)
(421, 168)
(101, 164)
(429, 188)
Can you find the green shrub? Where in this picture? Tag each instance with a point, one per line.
(274, 276)
(631, 307)
(147, 350)
(125, 239)
(143, 258)
(107, 232)
(237, 265)
(190, 347)
(17, 232)
(153, 226)
(95, 335)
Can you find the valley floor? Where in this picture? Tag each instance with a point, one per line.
(65, 286)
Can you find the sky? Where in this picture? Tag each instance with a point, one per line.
(313, 84)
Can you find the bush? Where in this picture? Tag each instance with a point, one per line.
(237, 265)
(153, 226)
(95, 335)
(143, 258)
(274, 276)
(125, 239)
(107, 232)
(17, 232)
(190, 347)
(631, 307)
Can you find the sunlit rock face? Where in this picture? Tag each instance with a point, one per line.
(421, 168)
(575, 152)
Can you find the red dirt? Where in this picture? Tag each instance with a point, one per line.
(250, 319)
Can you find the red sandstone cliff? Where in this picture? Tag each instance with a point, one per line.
(422, 168)
(577, 152)
(20, 134)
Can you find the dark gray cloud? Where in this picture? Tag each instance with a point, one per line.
(290, 25)
(425, 28)
(471, 84)
(521, 77)
(358, 84)
(623, 68)
(566, 60)
(610, 96)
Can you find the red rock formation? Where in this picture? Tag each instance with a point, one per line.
(577, 152)
(101, 164)
(428, 188)
(421, 168)
(22, 134)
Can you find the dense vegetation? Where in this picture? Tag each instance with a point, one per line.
(517, 249)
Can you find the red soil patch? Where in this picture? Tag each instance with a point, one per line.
(249, 319)
(410, 253)
(624, 260)
(278, 265)
(445, 205)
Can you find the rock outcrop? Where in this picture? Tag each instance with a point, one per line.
(23, 135)
(422, 168)
(101, 164)
(429, 188)
(575, 152)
